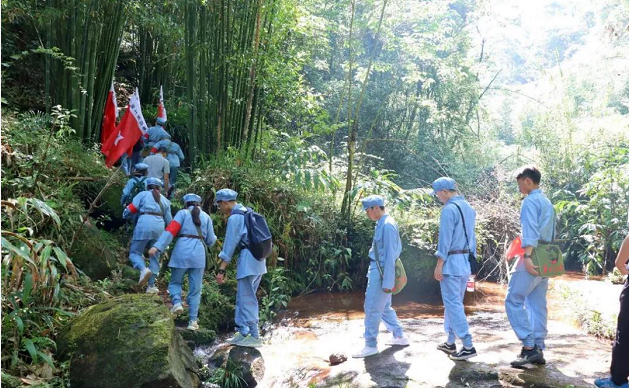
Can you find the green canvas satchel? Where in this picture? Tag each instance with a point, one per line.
(548, 257)
(400, 272)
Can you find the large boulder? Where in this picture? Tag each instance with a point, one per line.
(248, 361)
(129, 341)
(96, 252)
(109, 205)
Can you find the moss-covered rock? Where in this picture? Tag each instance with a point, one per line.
(198, 337)
(96, 252)
(110, 206)
(129, 341)
(9, 381)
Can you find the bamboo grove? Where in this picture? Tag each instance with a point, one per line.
(86, 37)
(208, 55)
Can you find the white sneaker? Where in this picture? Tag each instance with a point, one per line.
(144, 276)
(176, 309)
(193, 325)
(366, 352)
(152, 290)
(402, 341)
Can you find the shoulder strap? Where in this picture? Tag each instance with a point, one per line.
(375, 248)
(198, 230)
(159, 203)
(467, 241)
(241, 243)
(138, 181)
(241, 212)
(552, 236)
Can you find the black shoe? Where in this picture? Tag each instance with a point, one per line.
(463, 354)
(529, 356)
(447, 348)
(541, 361)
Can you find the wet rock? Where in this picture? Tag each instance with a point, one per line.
(337, 358)
(306, 335)
(249, 359)
(539, 377)
(198, 337)
(129, 341)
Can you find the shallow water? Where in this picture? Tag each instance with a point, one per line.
(298, 345)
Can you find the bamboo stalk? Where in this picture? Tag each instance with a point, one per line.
(252, 72)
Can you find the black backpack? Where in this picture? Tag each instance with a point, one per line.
(260, 243)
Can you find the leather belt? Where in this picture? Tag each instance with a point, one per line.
(153, 214)
(191, 236)
(458, 251)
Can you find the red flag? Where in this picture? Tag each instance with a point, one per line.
(515, 249)
(110, 116)
(161, 109)
(127, 133)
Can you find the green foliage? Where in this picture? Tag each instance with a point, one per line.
(306, 229)
(229, 375)
(278, 289)
(32, 271)
(615, 277)
(41, 288)
(594, 215)
(41, 161)
(297, 162)
(587, 316)
(217, 303)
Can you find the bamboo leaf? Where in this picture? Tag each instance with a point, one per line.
(47, 358)
(20, 324)
(61, 256)
(12, 248)
(27, 287)
(44, 255)
(45, 210)
(30, 347)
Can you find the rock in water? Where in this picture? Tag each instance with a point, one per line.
(249, 359)
(129, 341)
(337, 358)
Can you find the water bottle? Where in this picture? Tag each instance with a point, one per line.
(471, 283)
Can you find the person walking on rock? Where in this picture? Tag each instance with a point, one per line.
(194, 231)
(456, 241)
(248, 273)
(526, 295)
(385, 249)
(153, 210)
